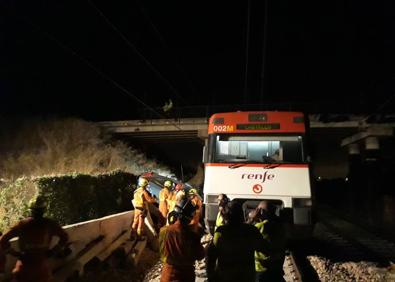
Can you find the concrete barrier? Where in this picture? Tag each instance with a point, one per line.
(95, 238)
(89, 239)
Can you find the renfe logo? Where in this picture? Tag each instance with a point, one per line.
(257, 188)
(254, 176)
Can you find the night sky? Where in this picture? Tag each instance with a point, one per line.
(71, 58)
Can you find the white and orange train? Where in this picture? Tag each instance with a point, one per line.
(251, 156)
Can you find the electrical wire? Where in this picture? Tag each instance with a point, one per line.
(134, 49)
(101, 73)
(381, 107)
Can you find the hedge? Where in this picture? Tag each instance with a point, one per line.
(70, 198)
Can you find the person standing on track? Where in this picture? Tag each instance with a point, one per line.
(230, 256)
(141, 198)
(223, 202)
(164, 196)
(180, 245)
(269, 265)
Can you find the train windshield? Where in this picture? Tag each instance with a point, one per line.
(257, 149)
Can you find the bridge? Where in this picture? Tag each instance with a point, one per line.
(181, 128)
(332, 135)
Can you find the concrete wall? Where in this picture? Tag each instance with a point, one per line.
(82, 235)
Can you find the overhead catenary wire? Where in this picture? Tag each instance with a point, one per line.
(135, 50)
(381, 106)
(98, 71)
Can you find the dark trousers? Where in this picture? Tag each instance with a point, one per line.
(270, 276)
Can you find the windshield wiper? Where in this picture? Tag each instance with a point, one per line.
(264, 165)
(271, 166)
(240, 164)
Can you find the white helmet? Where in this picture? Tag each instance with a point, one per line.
(142, 182)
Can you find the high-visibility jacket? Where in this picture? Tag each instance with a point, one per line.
(260, 258)
(141, 198)
(273, 258)
(179, 248)
(197, 202)
(164, 195)
(231, 253)
(219, 221)
(173, 198)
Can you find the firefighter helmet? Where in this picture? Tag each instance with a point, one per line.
(142, 182)
(168, 184)
(192, 192)
(37, 204)
(184, 208)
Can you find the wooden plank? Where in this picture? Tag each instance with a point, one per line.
(137, 251)
(114, 245)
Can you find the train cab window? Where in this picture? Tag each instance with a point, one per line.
(258, 149)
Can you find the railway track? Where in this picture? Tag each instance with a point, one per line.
(291, 269)
(356, 242)
(343, 251)
(339, 251)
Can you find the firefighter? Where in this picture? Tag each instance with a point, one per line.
(141, 198)
(231, 252)
(175, 195)
(180, 245)
(198, 203)
(164, 196)
(269, 265)
(35, 235)
(222, 201)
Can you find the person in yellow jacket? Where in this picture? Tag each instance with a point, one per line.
(164, 196)
(140, 200)
(269, 265)
(175, 196)
(230, 255)
(222, 201)
(198, 204)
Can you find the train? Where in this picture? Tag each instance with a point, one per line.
(260, 155)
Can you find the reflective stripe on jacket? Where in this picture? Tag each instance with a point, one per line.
(164, 195)
(274, 235)
(141, 197)
(219, 221)
(260, 258)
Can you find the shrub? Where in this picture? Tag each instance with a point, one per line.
(66, 146)
(70, 198)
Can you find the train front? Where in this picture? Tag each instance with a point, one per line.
(254, 156)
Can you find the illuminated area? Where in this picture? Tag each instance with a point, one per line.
(258, 149)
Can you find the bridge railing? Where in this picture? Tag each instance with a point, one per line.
(325, 107)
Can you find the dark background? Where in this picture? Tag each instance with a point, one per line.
(71, 58)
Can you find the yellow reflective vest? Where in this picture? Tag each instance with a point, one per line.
(141, 197)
